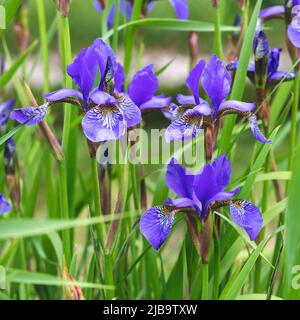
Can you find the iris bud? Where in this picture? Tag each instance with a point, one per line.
(261, 51)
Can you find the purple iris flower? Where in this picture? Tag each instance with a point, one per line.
(107, 111)
(262, 51)
(291, 10)
(190, 117)
(200, 192)
(180, 7)
(4, 205)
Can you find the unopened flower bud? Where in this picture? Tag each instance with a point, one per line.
(63, 6)
(215, 3)
(261, 50)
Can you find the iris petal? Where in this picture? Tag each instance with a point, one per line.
(193, 79)
(222, 169)
(100, 97)
(179, 179)
(4, 205)
(182, 99)
(131, 112)
(187, 126)
(274, 60)
(248, 216)
(237, 105)
(181, 8)
(272, 12)
(156, 103)
(103, 123)
(216, 82)
(143, 86)
(5, 109)
(62, 94)
(294, 32)
(281, 76)
(258, 135)
(156, 224)
(30, 115)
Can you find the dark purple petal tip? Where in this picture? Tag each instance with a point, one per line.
(248, 216)
(258, 135)
(156, 224)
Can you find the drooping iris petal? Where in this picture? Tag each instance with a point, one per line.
(4, 205)
(156, 224)
(193, 79)
(179, 179)
(258, 135)
(272, 12)
(248, 216)
(185, 127)
(222, 168)
(103, 123)
(103, 52)
(119, 78)
(181, 8)
(62, 94)
(5, 109)
(30, 115)
(281, 76)
(157, 102)
(170, 112)
(237, 105)
(294, 32)
(274, 59)
(143, 86)
(216, 81)
(131, 112)
(100, 97)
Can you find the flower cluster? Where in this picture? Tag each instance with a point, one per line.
(200, 192)
(126, 8)
(193, 113)
(108, 110)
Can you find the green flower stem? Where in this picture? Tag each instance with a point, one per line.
(217, 260)
(218, 47)
(97, 199)
(44, 42)
(205, 282)
(66, 58)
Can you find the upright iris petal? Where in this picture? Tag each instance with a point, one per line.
(156, 224)
(143, 86)
(30, 115)
(4, 205)
(216, 82)
(246, 215)
(193, 80)
(179, 179)
(181, 8)
(294, 27)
